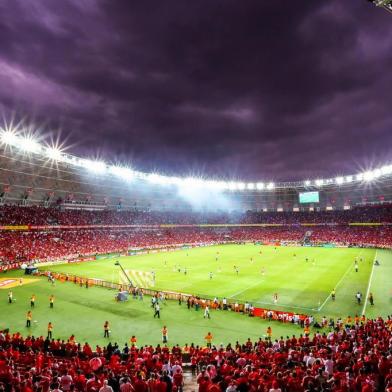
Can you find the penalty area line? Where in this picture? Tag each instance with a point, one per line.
(337, 284)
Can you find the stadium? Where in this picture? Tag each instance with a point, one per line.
(114, 278)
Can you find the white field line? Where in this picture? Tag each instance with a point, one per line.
(268, 303)
(282, 305)
(369, 284)
(242, 291)
(337, 284)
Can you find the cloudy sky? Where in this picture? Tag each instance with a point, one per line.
(254, 90)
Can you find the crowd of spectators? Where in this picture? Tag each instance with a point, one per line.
(350, 358)
(25, 246)
(38, 215)
(42, 243)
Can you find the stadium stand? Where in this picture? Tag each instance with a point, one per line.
(51, 233)
(39, 215)
(352, 357)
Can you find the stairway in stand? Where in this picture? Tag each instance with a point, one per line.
(190, 384)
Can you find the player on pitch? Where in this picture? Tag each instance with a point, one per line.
(106, 329)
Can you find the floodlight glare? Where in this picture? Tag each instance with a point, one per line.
(157, 179)
(319, 182)
(349, 179)
(9, 138)
(232, 186)
(386, 170)
(270, 186)
(28, 144)
(53, 153)
(176, 180)
(94, 166)
(215, 184)
(377, 173)
(219, 184)
(193, 182)
(123, 172)
(368, 176)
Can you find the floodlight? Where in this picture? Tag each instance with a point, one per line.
(241, 186)
(123, 172)
(307, 182)
(94, 166)
(250, 186)
(349, 179)
(53, 153)
(220, 184)
(368, 176)
(377, 173)
(339, 180)
(191, 181)
(9, 138)
(156, 178)
(359, 177)
(28, 144)
(271, 185)
(176, 181)
(260, 186)
(215, 184)
(319, 182)
(386, 170)
(232, 186)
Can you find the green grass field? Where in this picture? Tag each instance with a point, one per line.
(302, 287)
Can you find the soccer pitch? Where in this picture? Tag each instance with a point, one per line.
(302, 286)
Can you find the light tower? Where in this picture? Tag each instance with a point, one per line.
(386, 4)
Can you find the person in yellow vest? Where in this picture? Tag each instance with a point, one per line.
(208, 339)
(51, 301)
(164, 334)
(32, 301)
(106, 329)
(10, 295)
(50, 330)
(306, 330)
(269, 332)
(29, 317)
(133, 341)
(349, 320)
(363, 319)
(356, 319)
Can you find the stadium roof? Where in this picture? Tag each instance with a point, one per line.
(29, 145)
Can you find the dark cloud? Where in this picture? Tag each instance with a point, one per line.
(254, 90)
